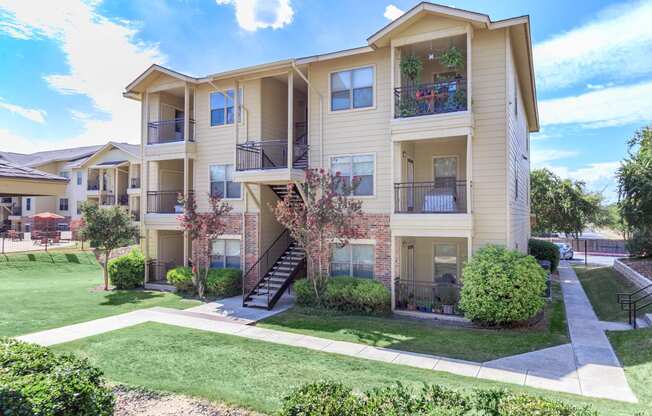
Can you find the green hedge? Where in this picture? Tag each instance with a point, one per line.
(220, 282)
(502, 286)
(37, 381)
(128, 271)
(346, 294)
(544, 250)
(333, 399)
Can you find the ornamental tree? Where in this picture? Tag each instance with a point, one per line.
(202, 229)
(107, 229)
(326, 217)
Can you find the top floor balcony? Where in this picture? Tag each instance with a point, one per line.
(169, 131)
(444, 96)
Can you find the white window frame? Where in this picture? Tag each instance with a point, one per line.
(240, 116)
(351, 109)
(29, 204)
(67, 204)
(458, 268)
(209, 182)
(226, 240)
(373, 155)
(79, 178)
(352, 243)
(458, 168)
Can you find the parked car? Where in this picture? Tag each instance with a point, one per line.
(565, 251)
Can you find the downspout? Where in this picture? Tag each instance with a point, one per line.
(321, 113)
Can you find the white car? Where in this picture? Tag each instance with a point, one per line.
(565, 251)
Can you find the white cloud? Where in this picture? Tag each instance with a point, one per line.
(616, 45)
(103, 56)
(601, 108)
(33, 114)
(12, 142)
(261, 14)
(541, 157)
(599, 177)
(392, 12)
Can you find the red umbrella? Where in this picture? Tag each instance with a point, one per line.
(47, 216)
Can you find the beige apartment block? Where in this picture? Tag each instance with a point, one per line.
(443, 160)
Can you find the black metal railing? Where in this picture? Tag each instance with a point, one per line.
(93, 185)
(440, 97)
(134, 183)
(169, 131)
(443, 196)
(123, 200)
(164, 202)
(254, 276)
(427, 297)
(107, 199)
(270, 154)
(635, 302)
(158, 270)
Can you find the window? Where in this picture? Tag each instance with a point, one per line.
(80, 177)
(222, 184)
(222, 107)
(445, 261)
(353, 260)
(6, 200)
(64, 174)
(225, 254)
(352, 89)
(28, 204)
(63, 204)
(359, 168)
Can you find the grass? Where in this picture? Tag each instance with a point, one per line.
(601, 285)
(426, 337)
(42, 291)
(256, 374)
(634, 349)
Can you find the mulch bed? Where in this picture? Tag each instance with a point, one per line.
(643, 266)
(141, 402)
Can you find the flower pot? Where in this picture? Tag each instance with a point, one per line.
(448, 309)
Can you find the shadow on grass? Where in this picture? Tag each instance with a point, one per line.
(72, 258)
(122, 297)
(54, 257)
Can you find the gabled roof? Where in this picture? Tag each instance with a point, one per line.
(48, 156)
(13, 171)
(132, 150)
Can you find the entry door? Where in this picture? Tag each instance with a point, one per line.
(410, 179)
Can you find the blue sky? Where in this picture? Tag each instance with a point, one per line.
(64, 64)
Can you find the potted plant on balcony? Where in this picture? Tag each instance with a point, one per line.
(411, 305)
(411, 67)
(452, 58)
(448, 296)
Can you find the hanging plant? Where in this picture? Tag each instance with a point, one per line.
(452, 58)
(411, 67)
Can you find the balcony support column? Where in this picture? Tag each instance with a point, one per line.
(186, 113)
(116, 178)
(186, 164)
(290, 120)
(469, 58)
(469, 173)
(145, 248)
(393, 265)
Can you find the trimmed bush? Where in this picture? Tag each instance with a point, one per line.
(544, 250)
(128, 271)
(502, 286)
(36, 381)
(326, 398)
(224, 282)
(346, 294)
(181, 278)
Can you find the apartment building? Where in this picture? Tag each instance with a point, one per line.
(441, 152)
(105, 175)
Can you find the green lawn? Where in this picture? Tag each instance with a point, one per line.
(423, 336)
(41, 291)
(601, 285)
(255, 374)
(634, 348)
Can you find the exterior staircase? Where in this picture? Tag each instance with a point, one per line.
(269, 289)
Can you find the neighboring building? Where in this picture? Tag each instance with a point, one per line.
(443, 159)
(80, 167)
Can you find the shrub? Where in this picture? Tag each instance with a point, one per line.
(128, 271)
(327, 398)
(224, 282)
(36, 381)
(350, 294)
(502, 286)
(304, 293)
(181, 278)
(544, 250)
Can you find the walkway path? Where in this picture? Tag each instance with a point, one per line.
(587, 366)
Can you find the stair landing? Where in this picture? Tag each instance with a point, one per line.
(232, 309)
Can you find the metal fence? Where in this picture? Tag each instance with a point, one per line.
(12, 241)
(593, 245)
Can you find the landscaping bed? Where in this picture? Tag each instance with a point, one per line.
(643, 266)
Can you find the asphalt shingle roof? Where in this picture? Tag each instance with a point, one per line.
(14, 171)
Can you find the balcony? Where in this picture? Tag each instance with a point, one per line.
(439, 297)
(123, 200)
(435, 197)
(164, 202)
(269, 154)
(441, 97)
(93, 185)
(169, 131)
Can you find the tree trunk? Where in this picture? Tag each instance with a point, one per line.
(105, 266)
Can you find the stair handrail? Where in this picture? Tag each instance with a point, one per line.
(629, 295)
(265, 255)
(633, 307)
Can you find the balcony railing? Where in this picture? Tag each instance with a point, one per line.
(93, 185)
(437, 98)
(443, 196)
(427, 297)
(134, 183)
(168, 131)
(164, 202)
(269, 154)
(107, 200)
(123, 200)
(158, 270)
